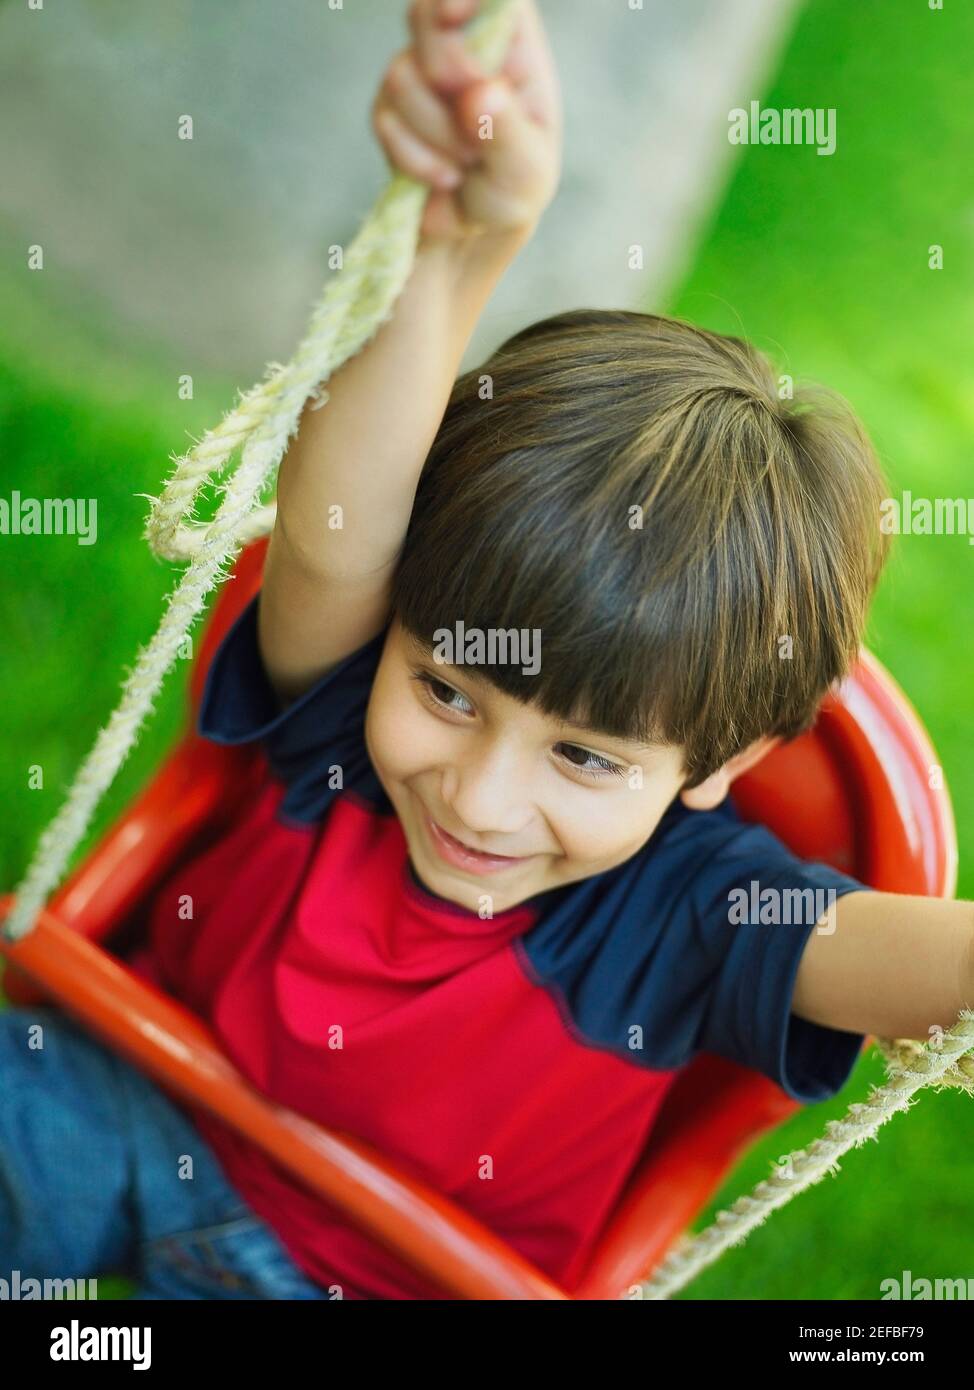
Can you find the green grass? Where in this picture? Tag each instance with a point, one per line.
(823, 262)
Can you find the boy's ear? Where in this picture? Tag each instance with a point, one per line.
(712, 792)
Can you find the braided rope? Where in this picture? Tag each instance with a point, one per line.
(353, 306)
(916, 1065)
(903, 1053)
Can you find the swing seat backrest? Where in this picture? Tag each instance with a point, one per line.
(862, 791)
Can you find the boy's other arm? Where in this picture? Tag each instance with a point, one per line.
(327, 591)
(895, 966)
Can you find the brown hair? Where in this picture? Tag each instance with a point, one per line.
(635, 489)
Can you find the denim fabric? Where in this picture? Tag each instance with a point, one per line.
(91, 1151)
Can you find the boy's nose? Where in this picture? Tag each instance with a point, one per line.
(490, 799)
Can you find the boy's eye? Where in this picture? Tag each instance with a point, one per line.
(439, 690)
(591, 765)
(599, 765)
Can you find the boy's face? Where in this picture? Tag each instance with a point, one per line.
(557, 801)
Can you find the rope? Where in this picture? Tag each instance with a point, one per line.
(902, 1053)
(351, 310)
(917, 1065)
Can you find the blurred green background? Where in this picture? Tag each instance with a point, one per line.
(823, 262)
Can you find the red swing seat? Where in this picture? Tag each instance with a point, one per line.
(855, 792)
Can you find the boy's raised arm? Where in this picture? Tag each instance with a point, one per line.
(326, 588)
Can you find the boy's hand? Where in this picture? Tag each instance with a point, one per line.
(486, 176)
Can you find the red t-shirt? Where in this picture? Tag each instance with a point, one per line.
(516, 1064)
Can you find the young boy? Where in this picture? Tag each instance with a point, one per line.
(487, 902)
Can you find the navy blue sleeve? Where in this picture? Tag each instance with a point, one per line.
(751, 908)
(684, 950)
(315, 745)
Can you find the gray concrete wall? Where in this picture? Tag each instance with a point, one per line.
(216, 246)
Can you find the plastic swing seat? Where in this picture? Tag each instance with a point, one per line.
(854, 792)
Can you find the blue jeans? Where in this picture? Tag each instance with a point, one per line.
(91, 1152)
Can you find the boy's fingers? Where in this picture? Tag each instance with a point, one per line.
(515, 149)
(456, 11)
(517, 62)
(441, 51)
(409, 154)
(530, 67)
(427, 114)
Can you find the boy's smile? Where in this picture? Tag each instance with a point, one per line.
(461, 854)
(538, 802)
